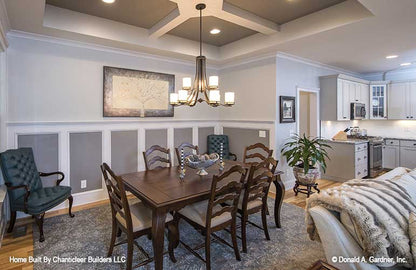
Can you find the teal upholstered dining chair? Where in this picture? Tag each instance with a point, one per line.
(25, 188)
(214, 145)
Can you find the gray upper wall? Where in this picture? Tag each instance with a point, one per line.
(254, 85)
(68, 81)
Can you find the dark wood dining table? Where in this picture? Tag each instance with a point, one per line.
(163, 191)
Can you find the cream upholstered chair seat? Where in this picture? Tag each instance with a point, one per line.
(197, 212)
(141, 216)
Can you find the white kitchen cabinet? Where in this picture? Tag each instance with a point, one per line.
(412, 100)
(402, 101)
(346, 161)
(408, 157)
(337, 94)
(344, 99)
(391, 156)
(378, 101)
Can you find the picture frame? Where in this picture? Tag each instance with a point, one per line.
(287, 109)
(136, 93)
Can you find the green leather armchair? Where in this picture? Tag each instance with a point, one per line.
(24, 186)
(214, 145)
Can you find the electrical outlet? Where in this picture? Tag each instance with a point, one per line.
(262, 133)
(406, 129)
(83, 183)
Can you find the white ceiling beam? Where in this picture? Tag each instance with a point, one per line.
(4, 26)
(247, 19)
(172, 20)
(217, 8)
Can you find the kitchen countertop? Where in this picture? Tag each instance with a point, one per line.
(349, 141)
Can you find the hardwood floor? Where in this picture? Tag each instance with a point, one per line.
(300, 199)
(23, 246)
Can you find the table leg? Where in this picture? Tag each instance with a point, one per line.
(158, 229)
(280, 194)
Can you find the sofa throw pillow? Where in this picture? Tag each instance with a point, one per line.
(408, 182)
(393, 173)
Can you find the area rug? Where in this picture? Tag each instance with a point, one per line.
(87, 236)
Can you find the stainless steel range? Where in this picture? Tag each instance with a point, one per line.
(375, 154)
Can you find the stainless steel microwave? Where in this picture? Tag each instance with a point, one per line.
(357, 111)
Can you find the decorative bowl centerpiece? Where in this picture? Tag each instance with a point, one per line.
(201, 162)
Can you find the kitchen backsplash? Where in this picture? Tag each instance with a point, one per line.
(384, 128)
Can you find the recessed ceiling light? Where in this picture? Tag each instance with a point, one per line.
(391, 56)
(109, 1)
(215, 31)
(405, 64)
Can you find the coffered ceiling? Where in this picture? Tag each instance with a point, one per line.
(141, 13)
(353, 34)
(147, 13)
(229, 31)
(283, 11)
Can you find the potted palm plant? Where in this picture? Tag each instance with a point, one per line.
(306, 156)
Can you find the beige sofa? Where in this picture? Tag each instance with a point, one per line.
(337, 232)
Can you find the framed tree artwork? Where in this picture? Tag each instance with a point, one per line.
(135, 93)
(287, 109)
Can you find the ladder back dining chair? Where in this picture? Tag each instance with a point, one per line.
(213, 215)
(254, 197)
(133, 219)
(188, 149)
(157, 157)
(256, 153)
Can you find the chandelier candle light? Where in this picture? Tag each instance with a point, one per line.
(209, 91)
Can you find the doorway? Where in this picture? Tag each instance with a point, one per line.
(308, 112)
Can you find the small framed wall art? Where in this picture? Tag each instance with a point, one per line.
(287, 109)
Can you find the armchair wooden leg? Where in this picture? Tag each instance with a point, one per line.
(71, 200)
(113, 238)
(12, 221)
(39, 221)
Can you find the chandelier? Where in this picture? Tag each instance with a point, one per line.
(189, 95)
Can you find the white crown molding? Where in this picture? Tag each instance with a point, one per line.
(316, 64)
(389, 72)
(246, 60)
(97, 47)
(4, 26)
(233, 63)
